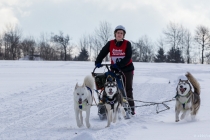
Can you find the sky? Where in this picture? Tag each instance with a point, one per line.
(36, 103)
(81, 17)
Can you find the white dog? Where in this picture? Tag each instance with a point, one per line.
(83, 98)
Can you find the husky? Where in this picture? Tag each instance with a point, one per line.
(187, 100)
(83, 98)
(113, 101)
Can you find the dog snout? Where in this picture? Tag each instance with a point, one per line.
(80, 101)
(181, 86)
(110, 89)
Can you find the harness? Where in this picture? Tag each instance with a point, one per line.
(186, 97)
(111, 101)
(85, 101)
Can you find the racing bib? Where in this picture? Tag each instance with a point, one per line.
(117, 53)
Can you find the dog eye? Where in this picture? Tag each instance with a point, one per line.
(82, 93)
(77, 93)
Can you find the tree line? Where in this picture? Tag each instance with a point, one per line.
(176, 45)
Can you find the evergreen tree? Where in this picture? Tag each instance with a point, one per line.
(174, 56)
(160, 57)
(83, 55)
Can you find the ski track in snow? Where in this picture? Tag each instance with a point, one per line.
(45, 110)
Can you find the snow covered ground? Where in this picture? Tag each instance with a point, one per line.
(36, 103)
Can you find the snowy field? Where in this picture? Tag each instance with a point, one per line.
(36, 103)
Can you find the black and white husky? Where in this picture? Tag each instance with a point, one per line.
(113, 100)
(187, 100)
(83, 98)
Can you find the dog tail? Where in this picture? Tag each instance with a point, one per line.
(194, 83)
(89, 82)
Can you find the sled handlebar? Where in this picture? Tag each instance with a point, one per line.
(107, 66)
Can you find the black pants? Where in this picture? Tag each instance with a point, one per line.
(128, 81)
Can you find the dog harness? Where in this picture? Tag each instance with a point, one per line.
(83, 103)
(111, 101)
(185, 100)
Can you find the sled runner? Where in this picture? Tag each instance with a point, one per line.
(100, 80)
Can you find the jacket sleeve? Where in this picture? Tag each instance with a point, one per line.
(127, 58)
(103, 53)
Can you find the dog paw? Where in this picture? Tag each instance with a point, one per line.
(79, 125)
(88, 125)
(176, 120)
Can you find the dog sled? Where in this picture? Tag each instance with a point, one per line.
(100, 80)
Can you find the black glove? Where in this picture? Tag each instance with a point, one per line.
(98, 65)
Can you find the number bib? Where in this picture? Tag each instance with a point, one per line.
(117, 53)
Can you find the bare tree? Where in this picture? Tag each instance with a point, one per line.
(148, 50)
(202, 37)
(84, 42)
(28, 47)
(63, 41)
(188, 40)
(173, 35)
(47, 52)
(11, 40)
(139, 45)
(160, 43)
(145, 48)
(91, 44)
(97, 47)
(103, 34)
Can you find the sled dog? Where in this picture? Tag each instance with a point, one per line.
(83, 98)
(113, 101)
(187, 99)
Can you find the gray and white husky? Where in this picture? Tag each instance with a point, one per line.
(187, 99)
(83, 98)
(113, 101)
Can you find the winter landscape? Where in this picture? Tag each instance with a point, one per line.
(36, 103)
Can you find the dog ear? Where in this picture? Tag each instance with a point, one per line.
(76, 86)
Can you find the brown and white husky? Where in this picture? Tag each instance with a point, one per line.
(187, 99)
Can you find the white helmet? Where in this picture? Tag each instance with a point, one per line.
(120, 27)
